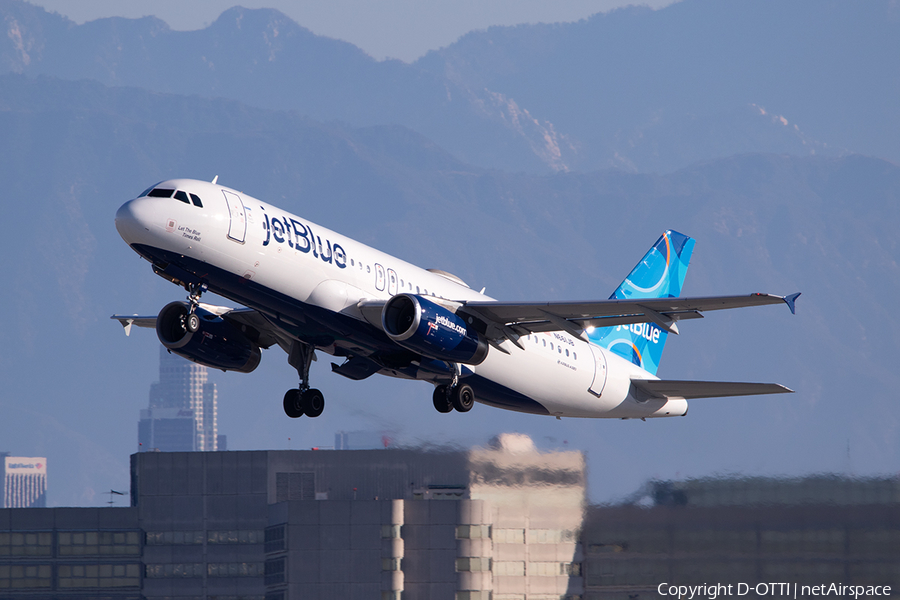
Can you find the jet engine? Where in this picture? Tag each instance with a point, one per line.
(422, 326)
(214, 342)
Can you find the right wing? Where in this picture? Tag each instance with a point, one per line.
(266, 333)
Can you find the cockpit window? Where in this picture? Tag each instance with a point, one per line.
(196, 200)
(179, 195)
(147, 191)
(160, 193)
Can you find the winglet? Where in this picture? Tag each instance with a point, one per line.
(790, 301)
(126, 323)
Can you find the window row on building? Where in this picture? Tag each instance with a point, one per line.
(198, 537)
(519, 567)
(189, 570)
(76, 576)
(750, 541)
(516, 535)
(26, 544)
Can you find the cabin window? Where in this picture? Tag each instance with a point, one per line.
(179, 195)
(545, 343)
(352, 263)
(567, 351)
(368, 269)
(196, 200)
(160, 193)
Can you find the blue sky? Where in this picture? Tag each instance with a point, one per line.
(404, 29)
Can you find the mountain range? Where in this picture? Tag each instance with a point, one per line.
(634, 89)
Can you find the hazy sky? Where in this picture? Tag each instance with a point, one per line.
(403, 29)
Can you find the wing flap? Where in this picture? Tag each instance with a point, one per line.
(672, 388)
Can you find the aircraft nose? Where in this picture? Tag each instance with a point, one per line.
(129, 223)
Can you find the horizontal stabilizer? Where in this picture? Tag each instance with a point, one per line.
(670, 388)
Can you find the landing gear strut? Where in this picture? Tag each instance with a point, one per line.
(303, 400)
(190, 321)
(449, 397)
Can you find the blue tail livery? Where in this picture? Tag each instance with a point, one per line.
(660, 274)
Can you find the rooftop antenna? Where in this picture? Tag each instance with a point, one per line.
(215, 179)
(112, 492)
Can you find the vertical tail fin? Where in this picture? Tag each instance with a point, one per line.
(660, 274)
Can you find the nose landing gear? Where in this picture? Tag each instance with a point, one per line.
(303, 400)
(191, 322)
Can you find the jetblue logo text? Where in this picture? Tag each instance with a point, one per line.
(645, 330)
(301, 237)
(442, 320)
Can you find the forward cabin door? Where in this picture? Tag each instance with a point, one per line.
(237, 225)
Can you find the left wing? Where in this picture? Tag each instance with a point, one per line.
(511, 320)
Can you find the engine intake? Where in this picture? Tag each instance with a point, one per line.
(422, 326)
(217, 343)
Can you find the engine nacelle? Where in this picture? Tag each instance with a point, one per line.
(217, 343)
(422, 326)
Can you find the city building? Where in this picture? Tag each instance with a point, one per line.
(362, 440)
(355, 524)
(24, 482)
(806, 531)
(502, 522)
(183, 412)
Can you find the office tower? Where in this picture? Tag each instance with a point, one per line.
(182, 415)
(24, 482)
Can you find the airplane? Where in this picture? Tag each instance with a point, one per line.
(305, 288)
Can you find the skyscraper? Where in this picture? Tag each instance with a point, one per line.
(182, 415)
(24, 482)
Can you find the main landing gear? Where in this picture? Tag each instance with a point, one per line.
(304, 400)
(449, 397)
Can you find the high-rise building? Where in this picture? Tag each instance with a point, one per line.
(182, 415)
(24, 482)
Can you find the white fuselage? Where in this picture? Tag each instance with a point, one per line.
(294, 258)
